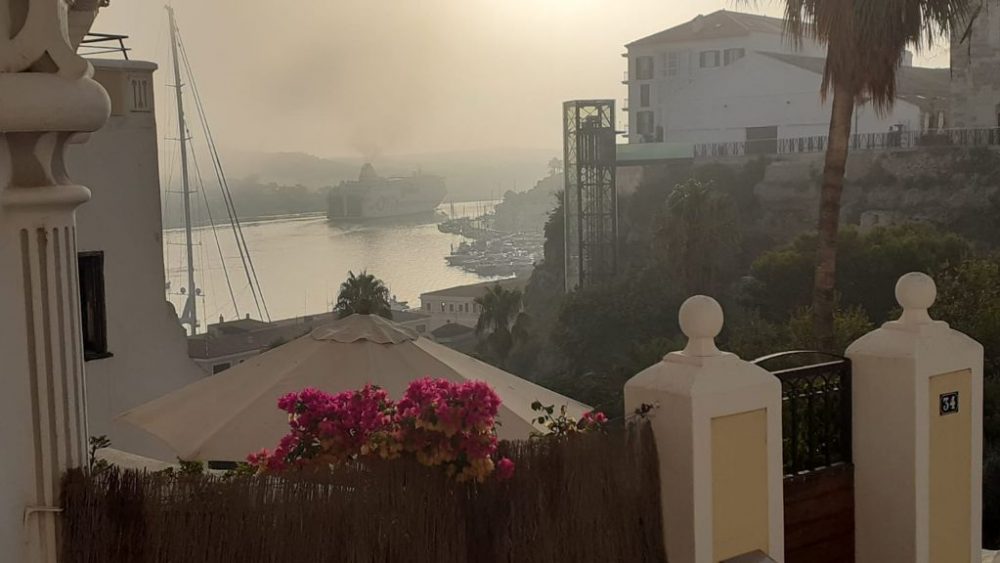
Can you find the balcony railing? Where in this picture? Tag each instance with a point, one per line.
(103, 44)
(816, 408)
(890, 140)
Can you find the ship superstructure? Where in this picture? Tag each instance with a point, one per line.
(375, 197)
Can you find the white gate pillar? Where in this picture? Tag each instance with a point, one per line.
(717, 424)
(46, 97)
(918, 436)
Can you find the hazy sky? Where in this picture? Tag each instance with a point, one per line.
(351, 77)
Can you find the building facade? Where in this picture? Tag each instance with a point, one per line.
(134, 347)
(458, 304)
(975, 69)
(733, 77)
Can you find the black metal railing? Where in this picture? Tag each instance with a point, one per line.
(890, 140)
(816, 408)
(103, 44)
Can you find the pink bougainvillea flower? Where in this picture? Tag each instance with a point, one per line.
(437, 422)
(505, 469)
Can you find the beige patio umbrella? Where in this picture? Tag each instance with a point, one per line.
(227, 416)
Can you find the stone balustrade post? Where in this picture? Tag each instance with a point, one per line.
(717, 424)
(47, 98)
(918, 435)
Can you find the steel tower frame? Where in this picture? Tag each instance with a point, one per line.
(591, 197)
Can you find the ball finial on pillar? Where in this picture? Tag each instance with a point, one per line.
(701, 321)
(915, 293)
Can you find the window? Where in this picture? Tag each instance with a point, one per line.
(219, 368)
(442, 306)
(451, 307)
(427, 306)
(644, 123)
(730, 56)
(93, 314)
(708, 59)
(141, 99)
(673, 62)
(762, 140)
(644, 68)
(932, 122)
(644, 95)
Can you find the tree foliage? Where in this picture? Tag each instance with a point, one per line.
(870, 264)
(499, 309)
(697, 236)
(363, 294)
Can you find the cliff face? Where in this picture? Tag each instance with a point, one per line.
(956, 188)
(528, 211)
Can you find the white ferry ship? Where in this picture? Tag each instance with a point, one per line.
(375, 197)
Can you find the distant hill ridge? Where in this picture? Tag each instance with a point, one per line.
(469, 175)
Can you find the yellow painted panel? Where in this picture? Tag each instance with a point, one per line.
(950, 467)
(739, 484)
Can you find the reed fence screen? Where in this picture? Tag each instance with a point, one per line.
(593, 498)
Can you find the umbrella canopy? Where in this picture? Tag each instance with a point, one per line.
(227, 416)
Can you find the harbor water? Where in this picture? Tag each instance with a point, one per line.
(301, 261)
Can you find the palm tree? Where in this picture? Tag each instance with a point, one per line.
(363, 294)
(698, 235)
(866, 42)
(498, 308)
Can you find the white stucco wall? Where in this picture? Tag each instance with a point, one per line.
(461, 310)
(119, 164)
(711, 105)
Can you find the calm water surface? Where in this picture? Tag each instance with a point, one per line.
(301, 262)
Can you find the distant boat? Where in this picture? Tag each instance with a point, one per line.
(375, 197)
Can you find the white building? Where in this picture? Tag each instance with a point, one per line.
(734, 77)
(457, 304)
(135, 349)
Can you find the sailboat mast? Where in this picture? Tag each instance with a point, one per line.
(190, 315)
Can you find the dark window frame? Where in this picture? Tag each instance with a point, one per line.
(673, 63)
(93, 306)
(645, 122)
(645, 95)
(730, 56)
(645, 68)
(713, 56)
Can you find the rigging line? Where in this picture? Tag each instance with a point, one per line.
(227, 195)
(252, 279)
(215, 233)
(232, 218)
(242, 246)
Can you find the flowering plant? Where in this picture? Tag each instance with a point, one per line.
(565, 425)
(437, 422)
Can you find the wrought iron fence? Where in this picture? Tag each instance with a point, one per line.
(890, 140)
(816, 408)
